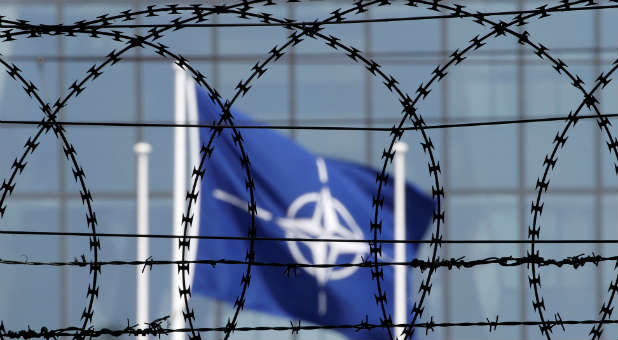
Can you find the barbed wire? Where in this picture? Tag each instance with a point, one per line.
(24, 24)
(387, 57)
(300, 30)
(291, 268)
(303, 239)
(156, 329)
(316, 127)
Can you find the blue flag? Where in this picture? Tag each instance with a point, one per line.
(298, 195)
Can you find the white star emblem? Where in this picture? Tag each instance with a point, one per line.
(329, 220)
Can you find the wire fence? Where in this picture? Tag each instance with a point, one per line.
(194, 16)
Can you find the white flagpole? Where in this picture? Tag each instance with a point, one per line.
(194, 154)
(180, 170)
(143, 274)
(401, 297)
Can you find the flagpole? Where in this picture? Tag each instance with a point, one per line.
(401, 297)
(194, 160)
(180, 170)
(143, 274)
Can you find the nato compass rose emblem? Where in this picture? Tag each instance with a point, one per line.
(329, 219)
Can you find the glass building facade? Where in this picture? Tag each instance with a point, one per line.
(489, 173)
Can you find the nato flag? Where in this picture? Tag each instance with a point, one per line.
(298, 195)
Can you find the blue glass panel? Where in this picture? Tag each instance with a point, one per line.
(575, 166)
(82, 44)
(117, 285)
(41, 171)
(387, 104)
(568, 217)
(557, 31)
(110, 97)
(40, 13)
(31, 295)
(330, 91)
(349, 145)
(106, 156)
(483, 157)
(409, 36)
(492, 289)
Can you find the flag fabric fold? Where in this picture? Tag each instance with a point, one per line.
(306, 197)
